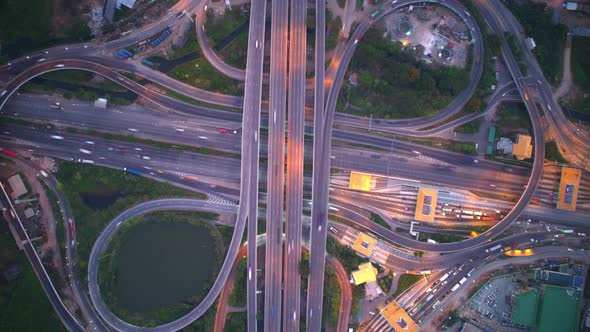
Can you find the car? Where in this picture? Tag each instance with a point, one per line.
(121, 150)
(356, 41)
(491, 185)
(223, 130)
(59, 66)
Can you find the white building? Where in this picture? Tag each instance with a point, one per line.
(505, 144)
(127, 3)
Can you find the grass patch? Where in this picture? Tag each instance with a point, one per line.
(23, 298)
(237, 297)
(385, 282)
(235, 53)
(581, 72)
(201, 74)
(406, 281)
(378, 220)
(467, 148)
(440, 238)
(82, 184)
(219, 26)
(333, 30)
(471, 127)
(550, 38)
(235, 321)
(331, 307)
(552, 153)
(513, 116)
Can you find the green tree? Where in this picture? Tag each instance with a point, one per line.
(494, 43)
(413, 74)
(474, 104)
(365, 79)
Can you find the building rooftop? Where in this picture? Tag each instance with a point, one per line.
(522, 149)
(366, 273)
(568, 188)
(17, 185)
(398, 318)
(360, 181)
(426, 204)
(505, 145)
(364, 244)
(127, 3)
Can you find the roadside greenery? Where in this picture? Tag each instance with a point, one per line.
(552, 153)
(27, 26)
(83, 184)
(581, 74)
(238, 296)
(471, 127)
(332, 291)
(23, 298)
(392, 84)
(440, 238)
(378, 220)
(349, 259)
(549, 38)
(236, 321)
(385, 282)
(406, 281)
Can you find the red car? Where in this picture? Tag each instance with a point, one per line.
(491, 185)
(121, 150)
(224, 131)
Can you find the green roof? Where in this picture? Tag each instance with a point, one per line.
(525, 310)
(492, 135)
(559, 310)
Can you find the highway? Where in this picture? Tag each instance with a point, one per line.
(295, 161)
(320, 182)
(273, 267)
(251, 146)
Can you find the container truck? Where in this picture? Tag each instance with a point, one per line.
(443, 278)
(86, 161)
(455, 287)
(429, 298)
(462, 281)
(85, 151)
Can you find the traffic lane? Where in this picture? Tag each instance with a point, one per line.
(274, 221)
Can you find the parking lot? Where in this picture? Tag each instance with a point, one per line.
(491, 304)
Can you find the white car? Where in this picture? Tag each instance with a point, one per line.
(59, 66)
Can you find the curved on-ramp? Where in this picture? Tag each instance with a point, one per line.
(538, 148)
(103, 240)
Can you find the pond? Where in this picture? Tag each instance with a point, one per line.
(162, 264)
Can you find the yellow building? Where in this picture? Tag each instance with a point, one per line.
(366, 273)
(426, 204)
(568, 188)
(364, 244)
(360, 181)
(398, 318)
(522, 149)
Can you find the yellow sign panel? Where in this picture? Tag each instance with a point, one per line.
(364, 244)
(398, 318)
(568, 188)
(360, 181)
(426, 204)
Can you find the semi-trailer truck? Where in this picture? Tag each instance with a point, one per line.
(443, 278)
(462, 281)
(455, 287)
(132, 171)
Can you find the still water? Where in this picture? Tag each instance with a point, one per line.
(161, 264)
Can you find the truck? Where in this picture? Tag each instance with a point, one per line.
(435, 304)
(85, 151)
(425, 272)
(455, 287)
(494, 248)
(470, 272)
(86, 161)
(443, 278)
(462, 281)
(567, 231)
(132, 171)
(376, 12)
(429, 298)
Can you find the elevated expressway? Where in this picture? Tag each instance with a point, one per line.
(273, 273)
